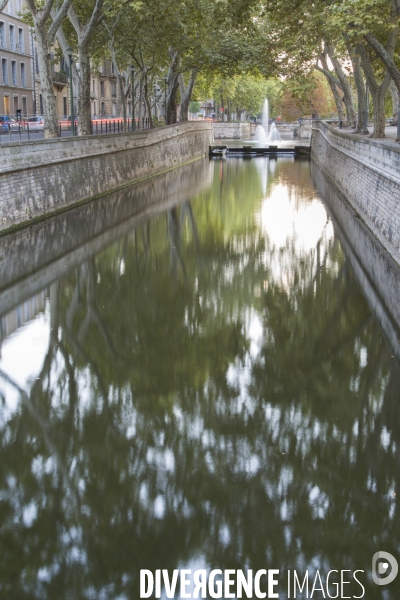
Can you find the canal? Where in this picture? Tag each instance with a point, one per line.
(195, 374)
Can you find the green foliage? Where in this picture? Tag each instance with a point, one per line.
(245, 92)
(194, 106)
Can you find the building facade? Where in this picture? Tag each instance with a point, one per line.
(104, 91)
(16, 75)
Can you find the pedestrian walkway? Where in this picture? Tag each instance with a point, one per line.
(390, 132)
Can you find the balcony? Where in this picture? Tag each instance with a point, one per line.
(60, 79)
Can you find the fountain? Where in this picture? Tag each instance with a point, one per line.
(261, 135)
(274, 135)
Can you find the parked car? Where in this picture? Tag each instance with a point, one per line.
(35, 123)
(7, 123)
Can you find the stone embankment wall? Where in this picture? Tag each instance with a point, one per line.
(231, 131)
(367, 172)
(375, 270)
(46, 176)
(246, 131)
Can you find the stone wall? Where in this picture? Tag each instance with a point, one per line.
(231, 131)
(376, 271)
(46, 176)
(367, 172)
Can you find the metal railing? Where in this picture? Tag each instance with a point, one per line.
(20, 130)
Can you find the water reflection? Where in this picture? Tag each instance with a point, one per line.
(207, 389)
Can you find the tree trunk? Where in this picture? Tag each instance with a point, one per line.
(147, 99)
(333, 86)
(51, 129)
(186, 93)
(347, 98)
(386, 56)
(378, 92)
(395, 101)
(84, 111)
(378, 100)
(172, 104)
(84, 34)
(360, 88)
(172, 87)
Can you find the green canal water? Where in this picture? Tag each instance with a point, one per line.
(204, 386)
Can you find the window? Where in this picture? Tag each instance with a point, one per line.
(13, 72)
(36, 63)
(114, 109)
(113, 89)
(24, 107)
(102, 109)
(12, 37)
(23, 77)
(102, 88)
(65, 106)
(41, 104)
(15, 104)
(2, 34)
(93, 86)
(63, 65)
(21, 40)
(4, 70)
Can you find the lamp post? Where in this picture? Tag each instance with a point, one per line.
(71, 91)
(133, 97)
(165, 99)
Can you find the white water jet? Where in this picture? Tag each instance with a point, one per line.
(274, 135)
(260, 135)
(265, 117)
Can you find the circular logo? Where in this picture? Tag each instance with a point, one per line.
(383, 562)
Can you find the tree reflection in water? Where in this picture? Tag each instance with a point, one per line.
(210, 395)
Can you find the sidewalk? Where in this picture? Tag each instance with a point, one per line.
(390, 132)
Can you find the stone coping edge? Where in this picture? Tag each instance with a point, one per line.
(358, 137)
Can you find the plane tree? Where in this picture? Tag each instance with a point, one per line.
(45, 32)
(371, 27)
